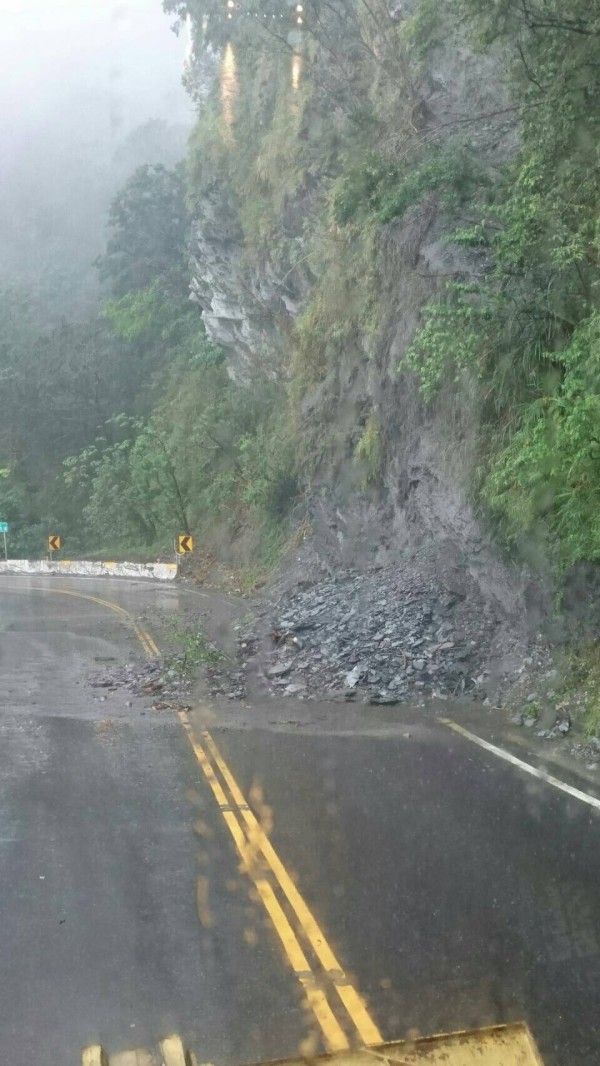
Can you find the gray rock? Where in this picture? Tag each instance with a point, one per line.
(397, 682)
(279, 671)
(353, 677)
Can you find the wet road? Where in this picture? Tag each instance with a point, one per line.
(100, 938)
(451, 888)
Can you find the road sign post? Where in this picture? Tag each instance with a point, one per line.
(4, 531)
(183, 545)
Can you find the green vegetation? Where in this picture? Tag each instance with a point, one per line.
(546, 479)
(192, 650)
(148, 226)
(581, 685)
(368, 452)
(527, 330)
(127, 429)
(378, 190)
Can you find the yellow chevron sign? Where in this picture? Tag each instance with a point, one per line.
(185, 543)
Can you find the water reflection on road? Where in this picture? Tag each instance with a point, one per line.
(230, 84)
(296, 71)
(229, 87)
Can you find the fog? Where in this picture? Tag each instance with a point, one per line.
(79, 81)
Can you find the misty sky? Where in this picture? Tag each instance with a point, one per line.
(77, 78)
(121, 50)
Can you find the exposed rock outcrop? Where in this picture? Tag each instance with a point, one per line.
(247, 311)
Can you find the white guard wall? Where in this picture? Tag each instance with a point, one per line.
(154, 571)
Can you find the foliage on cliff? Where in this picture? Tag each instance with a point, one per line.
(317, 175)
(528, 328)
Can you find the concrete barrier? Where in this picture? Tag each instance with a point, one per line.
(81, 568)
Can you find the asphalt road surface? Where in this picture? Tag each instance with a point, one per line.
(246, 886)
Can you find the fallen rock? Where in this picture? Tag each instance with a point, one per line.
(353, 677)
(281, 670)
(294, 690)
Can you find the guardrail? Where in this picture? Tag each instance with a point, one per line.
(81, 568)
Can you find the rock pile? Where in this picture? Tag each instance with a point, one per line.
(387, 635)
(166, 685)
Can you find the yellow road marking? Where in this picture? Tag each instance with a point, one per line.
(352, 1001)
(332, 1031)
(152, 646)
(258, 839)
(144, 638)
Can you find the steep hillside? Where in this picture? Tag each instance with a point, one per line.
(327, 171)
(395, 216)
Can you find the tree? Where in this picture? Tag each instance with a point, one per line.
(148, 225)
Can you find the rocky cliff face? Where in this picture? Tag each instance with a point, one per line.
(246, 310)
(421, 506)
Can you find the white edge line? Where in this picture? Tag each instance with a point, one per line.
(527, 767)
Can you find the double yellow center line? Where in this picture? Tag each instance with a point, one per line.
(148, 644)
(144, 638)
(274, 885)
(262, 864)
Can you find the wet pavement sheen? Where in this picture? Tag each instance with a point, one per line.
(456, 890)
